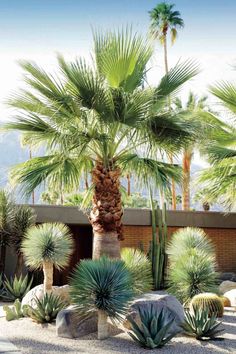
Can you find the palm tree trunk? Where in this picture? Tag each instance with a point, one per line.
(186, 179)
(173, 189)
(19, 265)
(48, 277)
(103, 326)
(106, 213)
(128, 184)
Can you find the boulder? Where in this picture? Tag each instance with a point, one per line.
(70, 325)
(227, 286)
(159, 301)
(228, 276)
(231, 295)
(37, 292)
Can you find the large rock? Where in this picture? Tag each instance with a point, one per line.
(70, 325)
(231, 295)
(37, 292)
(159, 302)
(227, 286)
(228, 276)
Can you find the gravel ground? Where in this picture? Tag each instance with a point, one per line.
(31, 338)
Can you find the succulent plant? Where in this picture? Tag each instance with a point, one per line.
(17, 288)
(199, 325)
(16, 311)
(154, 329)
(140, 268)
(46, 309)
(210, 302)
(226, 302)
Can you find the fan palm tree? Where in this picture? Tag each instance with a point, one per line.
(165, 19)
(24, 218)
(47, 246)
(220, 178)
(7, 211)
(206, 124)
(101, 114)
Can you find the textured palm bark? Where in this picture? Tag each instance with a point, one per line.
(103, 326)
(106, 213)
(186, 180)
(48, 277)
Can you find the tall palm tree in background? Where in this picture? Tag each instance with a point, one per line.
(220, 178)
(206, 125)
(101, 114)
(164, 20)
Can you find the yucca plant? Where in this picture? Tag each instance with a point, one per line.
(199, 325)
(16, 311)
(192, 274)
(104, 286)
(24, 218)
(46, 310)
(192, 264)
(17, 288)
(45, 246)
(140, 268)
(186, 239)
(154, 329)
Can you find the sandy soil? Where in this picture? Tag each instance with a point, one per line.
(31, 338)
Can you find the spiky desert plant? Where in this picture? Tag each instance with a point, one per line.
(154, 329)
(192, 264)
(104, 286)
(17, 288)
(140, 268)
(198, 324)
(192, 274)
(16, 311)
(7, 211)
(24, 218)
(209, 302)
(45, 246)
(186, 239)
(46, 310)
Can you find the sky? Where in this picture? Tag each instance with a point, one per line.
(37, 30)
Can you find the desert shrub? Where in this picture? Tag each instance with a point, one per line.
(192, 265)
(105, 286)
(46, 246)
(199, 325)
(16, 311)
(140, 268)
(17, 287)
(46, 310)
(154, 329)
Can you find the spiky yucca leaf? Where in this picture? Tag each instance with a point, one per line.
(46, 309)
(186, 239)
(199, 325)
(49, 242)
(154, 330)
(17, 288)
(140, 268)
(24, 218)
(193, 273)
(102, 285)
